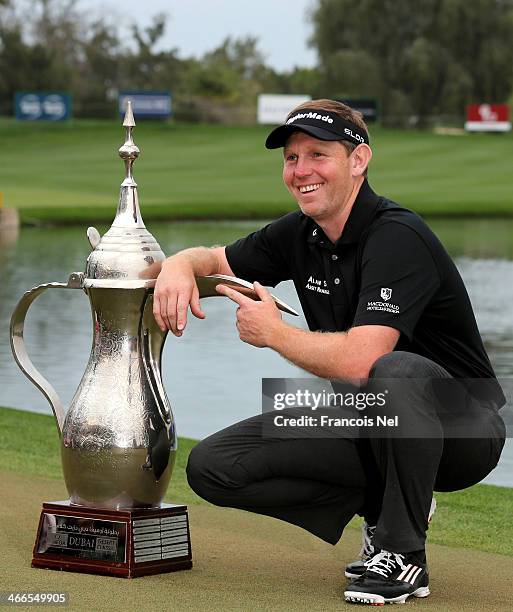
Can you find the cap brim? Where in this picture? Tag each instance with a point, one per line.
(279, 136)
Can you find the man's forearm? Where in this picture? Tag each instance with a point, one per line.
(176, 288)
(343, 355)
(202, 260)
(322, 354)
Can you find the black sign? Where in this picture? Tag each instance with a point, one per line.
(83, 538)
(367, 106)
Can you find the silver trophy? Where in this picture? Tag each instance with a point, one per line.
(118, 437)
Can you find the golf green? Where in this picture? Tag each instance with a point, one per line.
(242, 561)
(70, 173)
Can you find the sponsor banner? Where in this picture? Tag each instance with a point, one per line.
(42, 106)
(146, 104)
(367, 106)
(488, 118)
(274, 108)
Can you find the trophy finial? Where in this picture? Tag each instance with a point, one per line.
(129, 151)
(129, 120)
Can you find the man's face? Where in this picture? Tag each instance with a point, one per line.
(318, 175)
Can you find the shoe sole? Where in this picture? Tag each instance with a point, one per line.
(373, 599)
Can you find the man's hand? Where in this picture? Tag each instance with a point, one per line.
(257, 322)
(175, 290)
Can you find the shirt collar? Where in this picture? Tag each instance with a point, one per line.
(360, 216)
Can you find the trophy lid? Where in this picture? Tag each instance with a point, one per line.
(127, 251)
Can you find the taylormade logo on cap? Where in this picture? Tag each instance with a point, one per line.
(310, 115)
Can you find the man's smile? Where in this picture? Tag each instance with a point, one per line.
(308, 188)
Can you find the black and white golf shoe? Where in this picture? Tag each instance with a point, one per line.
(356, 568)
(389, 578)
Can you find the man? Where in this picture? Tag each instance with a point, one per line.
(383, 300)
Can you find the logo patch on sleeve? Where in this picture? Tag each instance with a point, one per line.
(386, 293)
(384, 306)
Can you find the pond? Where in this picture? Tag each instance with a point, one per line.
(211, 378)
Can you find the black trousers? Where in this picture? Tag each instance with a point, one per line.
(320, 483)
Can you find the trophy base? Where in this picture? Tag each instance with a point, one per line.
(125, 543)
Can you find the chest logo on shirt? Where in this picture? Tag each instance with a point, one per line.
(320, 286)
(386, 293)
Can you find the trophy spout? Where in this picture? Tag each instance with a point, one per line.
(19, 348)
(207, 288)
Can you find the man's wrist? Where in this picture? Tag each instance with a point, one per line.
(277, 333)
(183, 259)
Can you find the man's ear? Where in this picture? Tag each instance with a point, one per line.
(361, 157)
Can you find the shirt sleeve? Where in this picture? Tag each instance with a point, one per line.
(262, 255)
(398, 279)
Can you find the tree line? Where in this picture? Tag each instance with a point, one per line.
(418, 59)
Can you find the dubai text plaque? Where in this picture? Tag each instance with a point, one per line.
(126, 543)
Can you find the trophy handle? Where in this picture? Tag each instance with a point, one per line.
(19, 349)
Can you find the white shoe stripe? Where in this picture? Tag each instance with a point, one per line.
(414, 577)
(404, 572)
(410, 573)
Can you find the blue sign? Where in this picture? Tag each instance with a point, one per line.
(45, 106)
(146, 104)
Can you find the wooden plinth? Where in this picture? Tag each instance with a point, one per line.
(123, 543)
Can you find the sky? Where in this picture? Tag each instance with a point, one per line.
(197, 26)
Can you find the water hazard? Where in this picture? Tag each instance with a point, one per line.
(212, 378)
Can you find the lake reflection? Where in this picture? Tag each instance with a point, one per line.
(211, 377)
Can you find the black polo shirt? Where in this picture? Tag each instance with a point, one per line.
(387, 268)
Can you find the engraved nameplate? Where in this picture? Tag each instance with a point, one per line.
(83, 538)
(160, 538)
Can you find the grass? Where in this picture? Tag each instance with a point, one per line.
(70, 173)
(29, 444)
(477, 518)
